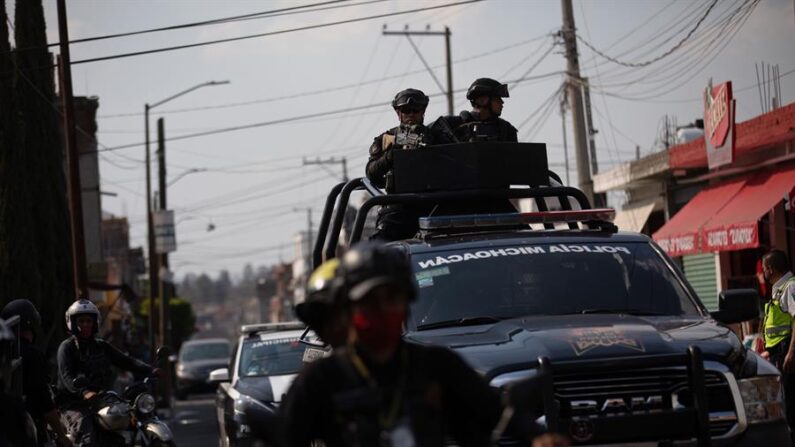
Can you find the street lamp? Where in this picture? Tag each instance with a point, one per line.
(153, 268)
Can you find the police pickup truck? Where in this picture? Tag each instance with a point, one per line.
(634, 357)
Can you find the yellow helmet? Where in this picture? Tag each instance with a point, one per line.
(323, 278)
(321, 294)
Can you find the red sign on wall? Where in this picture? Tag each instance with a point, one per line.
(719, 134)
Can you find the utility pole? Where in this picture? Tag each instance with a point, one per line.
(309, 237)
(565, 139)
(153, 264)
(162, 257)
(446, 33)
(164, 277)
(330, 161)
(72, 158)
(150, 236)
(586, 87)
(573, 81)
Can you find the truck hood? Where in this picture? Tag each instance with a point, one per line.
(513, 344)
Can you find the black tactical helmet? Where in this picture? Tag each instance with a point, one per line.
(410, 97)
(29, 318)
(368, 265)
(487, 87)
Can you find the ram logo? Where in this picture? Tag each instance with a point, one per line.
(616, 405)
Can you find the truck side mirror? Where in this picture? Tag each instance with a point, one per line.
(736, 306)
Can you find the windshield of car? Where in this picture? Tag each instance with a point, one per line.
(271, 357)
(485, 285)
(204, 351)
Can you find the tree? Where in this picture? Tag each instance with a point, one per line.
(35, 255)
(222, 287)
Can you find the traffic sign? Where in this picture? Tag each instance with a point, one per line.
(165, 233)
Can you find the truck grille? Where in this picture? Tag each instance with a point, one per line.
(648, 389)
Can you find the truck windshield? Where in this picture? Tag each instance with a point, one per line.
(544, 279)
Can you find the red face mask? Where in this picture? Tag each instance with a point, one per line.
(379, 331)
(86, 332)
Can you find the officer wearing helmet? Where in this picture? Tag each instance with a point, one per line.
(399, 221)
(35, 380)
(85, 355)
(16, 426)
(483, 123)
(378, 389)
(323, 311)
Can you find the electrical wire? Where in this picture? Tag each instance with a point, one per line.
(270, 33)
(301, 117)
(658, 58)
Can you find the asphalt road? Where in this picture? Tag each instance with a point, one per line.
(193, 422)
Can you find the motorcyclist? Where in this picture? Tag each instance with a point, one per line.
(324, 311)
(379, 390)
(483, 123)
(400, 221)
(16, 426)
(83, 355)
(35, 380)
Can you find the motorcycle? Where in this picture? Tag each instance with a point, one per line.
(129, 417)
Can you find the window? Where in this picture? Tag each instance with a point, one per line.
(545, 279)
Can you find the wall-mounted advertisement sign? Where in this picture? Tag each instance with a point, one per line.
(719, 129)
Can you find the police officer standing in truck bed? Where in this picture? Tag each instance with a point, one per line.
(483, 123)
(400, 221)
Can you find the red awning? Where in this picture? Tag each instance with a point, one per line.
(680, 235)
(735, 227)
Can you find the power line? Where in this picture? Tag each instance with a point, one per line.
(301, 117)
(331, 89)
(224, 20)
(271, 33)
(658, 58)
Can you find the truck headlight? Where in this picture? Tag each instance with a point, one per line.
(762, 399)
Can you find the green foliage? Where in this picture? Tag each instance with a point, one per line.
(183, 320)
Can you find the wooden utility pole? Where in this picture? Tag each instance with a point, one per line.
(164, 278)
(574, 82)
(72, 157)
(446, 33)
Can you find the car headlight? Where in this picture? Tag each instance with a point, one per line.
(243, 403)
(762, 399)
(145, 403)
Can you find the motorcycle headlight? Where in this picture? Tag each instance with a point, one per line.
(762, 399)
(145, 403)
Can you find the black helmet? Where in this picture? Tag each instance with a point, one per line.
(322, 290)
(29, 318)
(410, 97)
(368, 265)
(487, 87)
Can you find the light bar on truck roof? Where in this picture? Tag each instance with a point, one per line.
(507, 219)
(250, 329)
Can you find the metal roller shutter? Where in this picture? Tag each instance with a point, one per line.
(700, 272)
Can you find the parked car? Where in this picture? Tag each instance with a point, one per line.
(266, 360)
(196, 359)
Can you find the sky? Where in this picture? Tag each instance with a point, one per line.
(252, 186)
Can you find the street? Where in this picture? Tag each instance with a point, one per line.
(194, 422)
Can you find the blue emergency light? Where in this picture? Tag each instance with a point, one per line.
(511, 219)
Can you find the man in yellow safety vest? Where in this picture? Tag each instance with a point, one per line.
(778, 323)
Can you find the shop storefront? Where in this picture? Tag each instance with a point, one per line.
(716, 218)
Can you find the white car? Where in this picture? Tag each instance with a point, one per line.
(263, 365)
